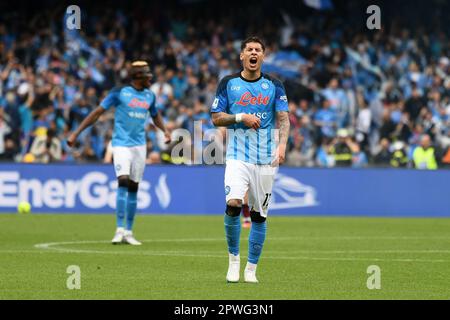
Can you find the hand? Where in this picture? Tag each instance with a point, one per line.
(167, 136)
(280, 156)
(71, 140)
(251, 121)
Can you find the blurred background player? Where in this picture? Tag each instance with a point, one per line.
(132, 105)
(248, 103)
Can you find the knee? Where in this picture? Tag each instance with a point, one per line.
(256, 217)
(234, 203)
(123, 181)
(133, 186)
(234, 208)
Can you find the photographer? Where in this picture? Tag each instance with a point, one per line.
(343, 149)
(46, 148)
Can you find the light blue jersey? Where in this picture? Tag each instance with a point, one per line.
(132, 109)
(262, 97)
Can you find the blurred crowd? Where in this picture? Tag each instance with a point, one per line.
(358, 98)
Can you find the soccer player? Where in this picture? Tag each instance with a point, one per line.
(132, 105)
(249, 103)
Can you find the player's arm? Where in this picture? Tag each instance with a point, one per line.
(221, 118)
(283, 126)
(158, 120)
(282, 110)
(112, 99)
(87, 122)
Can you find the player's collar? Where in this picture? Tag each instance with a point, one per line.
(143, 89)
(255, 80)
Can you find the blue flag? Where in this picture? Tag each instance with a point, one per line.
(284, 63)
(319, 4)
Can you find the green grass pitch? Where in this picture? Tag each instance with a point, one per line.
(185, 257)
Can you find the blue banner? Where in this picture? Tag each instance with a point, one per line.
(284, 63)
(200, 190)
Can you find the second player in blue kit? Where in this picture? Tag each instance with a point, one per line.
(133, 104)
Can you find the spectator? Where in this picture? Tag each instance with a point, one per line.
(343, 149)
(4, 130)
(424, 156)
(399, 158)
(383, 156)
(326, 121)
(46, 148)
(154, 158)
(363, 123)
(51, 78)
(388, 126)
(299, 157)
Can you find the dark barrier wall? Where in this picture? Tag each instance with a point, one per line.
(200, 190)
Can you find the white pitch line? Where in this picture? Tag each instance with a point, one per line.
(54, 246)
(365, 251)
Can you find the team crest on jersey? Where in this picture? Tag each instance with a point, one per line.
(118, 167)
(227, 190)
(265, 85)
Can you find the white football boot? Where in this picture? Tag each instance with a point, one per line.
(234, 268)
(128, 238)
(250, 273)
(118, 237)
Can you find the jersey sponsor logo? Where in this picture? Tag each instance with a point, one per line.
(126, 94)
(283, 98)
(261, 115)
(235, 88)
(137, 115)
(136, 103)
(247, 99)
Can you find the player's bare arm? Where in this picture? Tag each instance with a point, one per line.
(87, 122)
(283, 125)
(158, 121)
(223, 119)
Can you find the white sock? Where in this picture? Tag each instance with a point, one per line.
(251, 266)
(234, 258)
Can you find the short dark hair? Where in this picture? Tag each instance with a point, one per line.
(139, 69)
(252, 39)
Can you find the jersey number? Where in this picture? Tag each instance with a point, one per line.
(266, 202)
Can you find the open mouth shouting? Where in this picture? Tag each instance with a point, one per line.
(253, 62)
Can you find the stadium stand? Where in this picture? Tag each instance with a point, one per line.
(383, 91)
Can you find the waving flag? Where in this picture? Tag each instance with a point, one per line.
(319, 4)
(284, 63)
(355, 58)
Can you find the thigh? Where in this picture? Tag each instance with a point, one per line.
(260, 192)
(122, 161)
(236, 180)
(138, 163)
